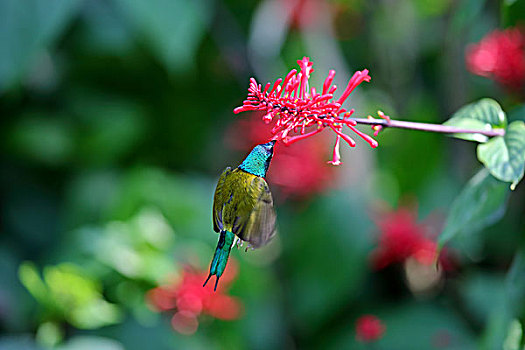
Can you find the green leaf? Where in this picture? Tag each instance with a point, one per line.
(87, 342)
(27, 28)
(507, 308)
(79, 297)
(485, 114)
(504, 156)
(172, 28)
(94, 314)
(69, 285)
(65, 290)
(513, 339)
(42, 138)
(514, 282)
(480, 203)
(49, 334)
(30, 278)
(512, 12)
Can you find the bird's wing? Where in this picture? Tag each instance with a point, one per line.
(219, 199)
(260, 226)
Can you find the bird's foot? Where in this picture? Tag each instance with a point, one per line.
(238, 242)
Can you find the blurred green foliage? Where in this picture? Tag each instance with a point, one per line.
(113, 125)
(66, 292)
(481, 203)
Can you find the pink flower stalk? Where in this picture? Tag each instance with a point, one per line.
(190, 300)
(298, 171)
(369, 328)
(500, 56)
(300, 112)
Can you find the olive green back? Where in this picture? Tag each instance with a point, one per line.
(243, 204)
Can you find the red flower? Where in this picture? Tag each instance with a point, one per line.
(298, 170)
(301, 112)
(402, 237)
(500, 56)
(369, 328)
(302, 12)
(190, 300)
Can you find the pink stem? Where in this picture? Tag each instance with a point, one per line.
(427, 127)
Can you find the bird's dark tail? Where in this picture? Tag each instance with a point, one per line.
(220, 258)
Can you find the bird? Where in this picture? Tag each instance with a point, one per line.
(243, 207)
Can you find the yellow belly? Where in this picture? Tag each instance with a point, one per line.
(240, 198)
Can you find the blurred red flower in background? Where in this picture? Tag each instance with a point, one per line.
(190, 299)
(298, 170)
(500, 55)
(401, 237)
(302, 12)
(369, 328)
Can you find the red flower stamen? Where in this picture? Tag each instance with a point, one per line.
(297, 107)
(336, 157)
(378, 128)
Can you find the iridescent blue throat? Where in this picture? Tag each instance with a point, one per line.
(258, 161)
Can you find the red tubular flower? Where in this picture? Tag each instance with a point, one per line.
(369, 328)
(298, 170)
(300, 112)
(190, 299)
(500, 56)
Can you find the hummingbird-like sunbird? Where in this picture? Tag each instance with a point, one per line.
(243, 207)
